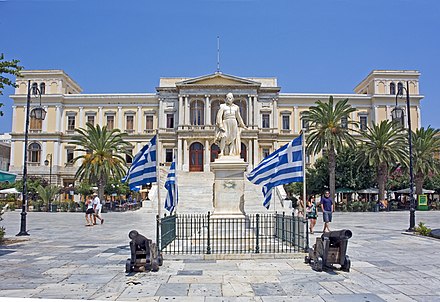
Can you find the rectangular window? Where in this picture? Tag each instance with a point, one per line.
(149, 122)
(363, 122)
(170, 120)
(110, 122)
(70, 123)
(129, 123)
(286, 122)
(266, 120)
(91, 119)
(69, 156)
(304, 124)
(129, 157)
(266, 152)
(344, 122)
(168, 155)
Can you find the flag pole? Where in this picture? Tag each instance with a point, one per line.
(158, 172)
(304, 169)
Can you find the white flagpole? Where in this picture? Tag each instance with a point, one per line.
(158, 173)
(303, 147)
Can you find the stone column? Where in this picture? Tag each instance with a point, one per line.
(44, 124)
(207, 158)
(185, 164)
(179, 154)
(250, 108)
(254, 111)
(58, 119)
(100, 116)
(43, 153)
(375, 115)
(295, 120)
(275, 114)
(120, 122)
(160, 115)
(388, 113)
(419, 117)
(14, 120)
(81, 117)
(12, 156)
(181, 111)
(187, 119)
(56, 158)
(139, 117)
(207, 111)
(256, 159)
(24, 120)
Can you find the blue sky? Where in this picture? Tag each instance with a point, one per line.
(314, 46)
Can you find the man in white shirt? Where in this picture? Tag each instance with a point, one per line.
(97, 208)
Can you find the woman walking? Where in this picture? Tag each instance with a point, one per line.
(312, 213)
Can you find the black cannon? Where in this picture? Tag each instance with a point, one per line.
(144, 254)
(330, 248)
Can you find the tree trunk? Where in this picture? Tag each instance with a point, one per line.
(382, 172)
(332, 173)
(101, 185)
(419, 180)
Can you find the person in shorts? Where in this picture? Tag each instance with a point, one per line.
(327, 210)
(97, 206)
(312, 213)
(89, 211)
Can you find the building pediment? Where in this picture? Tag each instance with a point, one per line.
(218, 79)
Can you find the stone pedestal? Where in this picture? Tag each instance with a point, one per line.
(228, 187)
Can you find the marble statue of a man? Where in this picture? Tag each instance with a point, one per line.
(228, 123)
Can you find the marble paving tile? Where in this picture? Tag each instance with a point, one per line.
(205, 290)
(396, 298)
(268, 289)
(235, 289)
(173, 289)
(336, 288)
(352, 298)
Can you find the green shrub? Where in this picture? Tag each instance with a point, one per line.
(2, 234)
(423, 230)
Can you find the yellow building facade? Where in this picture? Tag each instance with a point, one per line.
(182, 112)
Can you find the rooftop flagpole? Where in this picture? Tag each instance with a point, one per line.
(218, 54)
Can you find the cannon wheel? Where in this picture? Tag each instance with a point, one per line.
(347, 264)
(307, 259)
(128, 267)
(317, 264)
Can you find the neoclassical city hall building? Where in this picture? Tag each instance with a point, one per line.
(182, 111)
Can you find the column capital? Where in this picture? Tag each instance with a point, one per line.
(207, 95)
(119, 107)
(81, 108)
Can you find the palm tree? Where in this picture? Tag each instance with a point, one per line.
(425, 142)
(102, 157)
(47, 194)
(328, 125)
(384, 146)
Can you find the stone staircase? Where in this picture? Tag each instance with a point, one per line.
(196, 193)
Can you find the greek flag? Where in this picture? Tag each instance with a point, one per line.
(283, 166)
(171, 186)
(143, 167)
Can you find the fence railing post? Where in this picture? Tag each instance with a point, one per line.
(306, 247)
(257, 234)
(157, 233)
(208, 248)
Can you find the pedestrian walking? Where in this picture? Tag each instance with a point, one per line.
(97, 206)
(311, 213)
(327, 210)
(89, 211)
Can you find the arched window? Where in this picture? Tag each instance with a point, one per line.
(34, 88)
(242, 104)
(34, 153)
(197, 112)
(392, 88)
(400, 88)
(215, 106)
(215, 150)
(34, 123)
(243, 153)
(196, 157)
(42, 88)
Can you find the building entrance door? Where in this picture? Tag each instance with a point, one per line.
(196, 157)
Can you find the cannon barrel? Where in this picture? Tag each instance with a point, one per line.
(338, 235)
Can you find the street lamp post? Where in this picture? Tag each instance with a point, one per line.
(38, 113)
(48, 162)
(397, 115)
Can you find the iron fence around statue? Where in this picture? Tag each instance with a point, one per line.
(255, 233)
